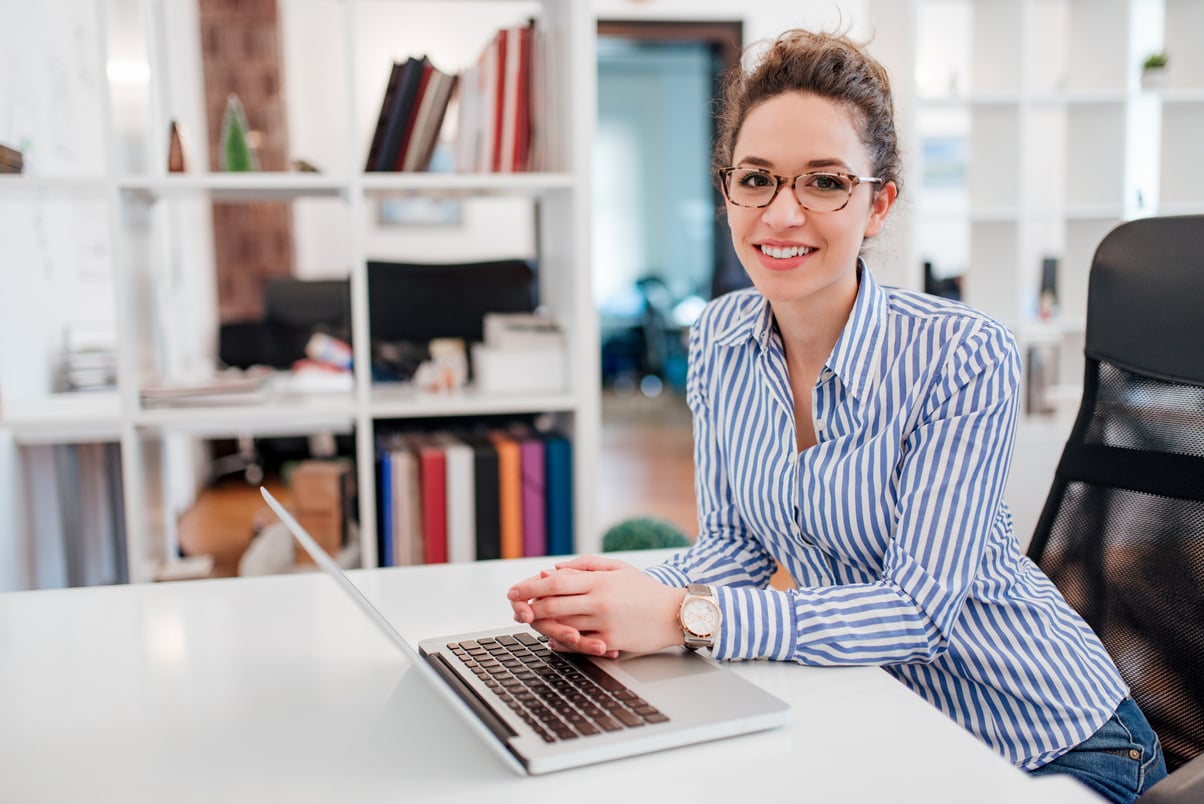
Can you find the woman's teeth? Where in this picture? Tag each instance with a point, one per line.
(785, 253)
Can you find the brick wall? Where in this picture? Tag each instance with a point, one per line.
(240, 45)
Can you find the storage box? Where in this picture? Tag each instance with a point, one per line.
(323, 498)
(510, 370)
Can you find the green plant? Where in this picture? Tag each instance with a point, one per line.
(643, 533)
(1154, 61)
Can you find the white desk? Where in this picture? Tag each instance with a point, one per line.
(279, 689)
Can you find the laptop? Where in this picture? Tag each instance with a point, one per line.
(543, 711)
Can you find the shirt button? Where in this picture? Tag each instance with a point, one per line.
(793, 459)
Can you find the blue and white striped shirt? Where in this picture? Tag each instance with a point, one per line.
(893, 525)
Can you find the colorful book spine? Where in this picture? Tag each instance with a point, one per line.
(487, 485)
(558, 487)
(531, 464)
(432, 465)
(510, 495)
(461, 494)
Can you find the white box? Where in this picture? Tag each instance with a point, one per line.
(522, 331)
(503, 371)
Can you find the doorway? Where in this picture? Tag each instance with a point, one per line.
(660, 248)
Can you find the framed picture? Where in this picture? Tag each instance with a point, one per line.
(943, 162)
(418, 211)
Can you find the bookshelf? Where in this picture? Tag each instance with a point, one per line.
(161, 275)
(1062, 143)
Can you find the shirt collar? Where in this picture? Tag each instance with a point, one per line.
(856, 355)
(854, 358)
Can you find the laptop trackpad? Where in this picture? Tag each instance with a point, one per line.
(651, 667)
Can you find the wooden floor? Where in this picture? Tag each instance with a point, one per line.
(645, 469)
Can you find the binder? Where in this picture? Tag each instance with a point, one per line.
(510, 496)
(461, 499)
(531, 467)
(486, 485)
(407, 505)
(400, 114)
(432, 470)
(384, 506)
(558, 489)
(378, 134)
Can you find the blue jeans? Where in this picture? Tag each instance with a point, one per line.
(1120, 761)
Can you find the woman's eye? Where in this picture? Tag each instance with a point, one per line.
(755, 179)
(827, 183)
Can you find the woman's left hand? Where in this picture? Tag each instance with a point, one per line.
(599, 606)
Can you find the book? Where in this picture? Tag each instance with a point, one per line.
(429, 120)
(488, 92)
(378, 133)
(468, 119)
(558, 492)
(486, 487)
(507, 121)
(461, 498)
(497, 87)
(407, 138)
(384, 506)
(432, 471)
(515, 124)
(400, 112)
(510, 495)
(406, 532)
(531, 469)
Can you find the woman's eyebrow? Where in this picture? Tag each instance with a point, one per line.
(829, 162)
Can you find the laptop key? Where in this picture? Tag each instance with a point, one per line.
(627, 718)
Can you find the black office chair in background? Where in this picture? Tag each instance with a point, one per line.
(1122, 531)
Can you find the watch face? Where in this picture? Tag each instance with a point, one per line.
(700, 617)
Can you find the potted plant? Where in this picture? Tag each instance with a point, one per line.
(1153, 71)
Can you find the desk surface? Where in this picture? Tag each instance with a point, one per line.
(279, 689)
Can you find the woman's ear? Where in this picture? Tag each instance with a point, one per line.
(884, 199)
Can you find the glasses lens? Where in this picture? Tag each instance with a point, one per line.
(750, 188)
(822, 192)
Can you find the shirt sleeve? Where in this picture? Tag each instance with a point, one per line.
(949, 487)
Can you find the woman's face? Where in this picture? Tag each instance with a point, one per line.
(792, 254)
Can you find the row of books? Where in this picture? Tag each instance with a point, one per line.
(463, 496)
(498, 100)
(411, 116)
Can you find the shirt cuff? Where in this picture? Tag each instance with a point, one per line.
(669, 576)
(757, 624)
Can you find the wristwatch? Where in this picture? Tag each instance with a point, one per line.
(699, 617)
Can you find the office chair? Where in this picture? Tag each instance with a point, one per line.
(1122, 530)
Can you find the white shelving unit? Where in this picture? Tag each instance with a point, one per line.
(151, 214)
(1062, 143)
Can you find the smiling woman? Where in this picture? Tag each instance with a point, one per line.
(860, 436)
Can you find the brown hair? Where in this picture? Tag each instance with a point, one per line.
(828, 65)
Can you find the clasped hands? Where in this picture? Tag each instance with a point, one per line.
(599, 606)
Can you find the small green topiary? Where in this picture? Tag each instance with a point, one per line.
(643, 533)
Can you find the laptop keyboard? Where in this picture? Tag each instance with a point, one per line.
(560, 696)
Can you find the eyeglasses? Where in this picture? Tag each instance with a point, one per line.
(816, 192)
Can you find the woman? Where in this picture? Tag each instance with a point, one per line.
(860, 437)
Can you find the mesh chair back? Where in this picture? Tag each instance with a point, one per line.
(1122, 531)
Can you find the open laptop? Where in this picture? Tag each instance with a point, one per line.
(544, 711)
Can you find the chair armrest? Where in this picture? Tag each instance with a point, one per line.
(1184, 786)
